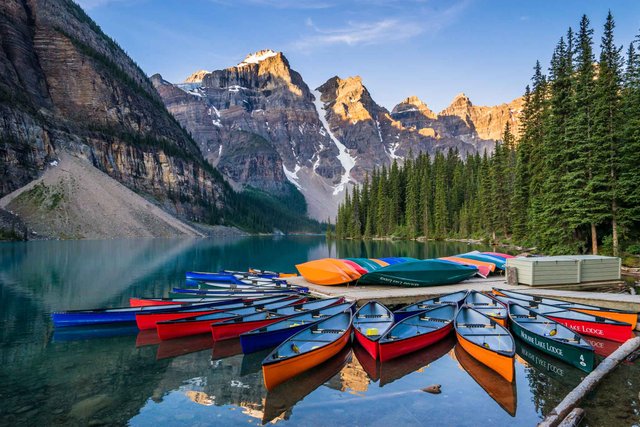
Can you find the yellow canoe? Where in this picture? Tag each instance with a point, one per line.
(379, 262)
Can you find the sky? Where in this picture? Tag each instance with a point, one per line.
(433, 49)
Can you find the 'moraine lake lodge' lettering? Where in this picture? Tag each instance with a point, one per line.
(541, 344)
(585, 329)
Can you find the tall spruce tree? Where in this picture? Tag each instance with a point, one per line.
(607, 126)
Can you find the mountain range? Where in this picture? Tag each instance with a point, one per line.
(261, 125)
(223, 147)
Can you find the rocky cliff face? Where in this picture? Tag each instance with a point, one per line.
(65, 85)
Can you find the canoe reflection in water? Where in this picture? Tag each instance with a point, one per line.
(147, 337)
(183, 345)
(394, 369)
(285, 395)
(500, 390)
(225, 348)
(548, 365)
(81, 333)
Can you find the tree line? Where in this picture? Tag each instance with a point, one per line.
(570, 182)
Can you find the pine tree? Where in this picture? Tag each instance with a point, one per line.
(607, 126)
(583, 206)
(629, 181)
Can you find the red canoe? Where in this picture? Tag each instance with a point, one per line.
(584, 324)
(232, 328)
(149, 322)
(416, 332)
(370, 323)
(202, 324)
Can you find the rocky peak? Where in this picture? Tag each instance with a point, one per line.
(413, 104)
(349, 99)
(259, 56)
(196, 77)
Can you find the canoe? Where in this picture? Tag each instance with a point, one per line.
(253, 286)
(323, 272)
(392, 260)
(477, 256)
(499, 254)
(485, 340)
(551, 337)
(202, 324)
(484, 268)
(149, 319)
(191, 293)
(347, 268)
(276, 333)
(500, 390)
(307, 349)
(624, 316)
(221, 277)
(418, 273)
(366, 263)
(416, 332)
(379, 262)
(285, 396)
(232, 328)
(455, 298)
(115, 315)
(370, 323)
(144, 302)
(583, 323)
(260, 272)
(355, 266)
(488, 306)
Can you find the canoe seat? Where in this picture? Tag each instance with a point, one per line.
(523, 316)
(371, 316)
(434, 319)
(476, 325)
(327, 331)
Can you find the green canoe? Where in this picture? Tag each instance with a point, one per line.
(429, 272)
(551, 337)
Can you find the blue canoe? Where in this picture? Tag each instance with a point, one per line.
(275, 334)
(238, 292)
(119, 314)
(230, 277)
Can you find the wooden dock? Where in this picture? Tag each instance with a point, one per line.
(401, 295)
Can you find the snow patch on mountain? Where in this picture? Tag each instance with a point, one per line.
(345, 158)
(292, 176)
(258, 57)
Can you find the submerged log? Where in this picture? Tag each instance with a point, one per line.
(572, 399)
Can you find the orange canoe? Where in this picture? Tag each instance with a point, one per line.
(326, 271)
(307, 349)
(346, 267)
(487, 341)
(379, 262)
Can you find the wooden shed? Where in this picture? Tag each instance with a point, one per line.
(560, 270)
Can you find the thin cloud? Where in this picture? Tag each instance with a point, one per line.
(93, 4)
(359, 33)
(393, 29)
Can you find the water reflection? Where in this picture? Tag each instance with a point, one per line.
(500, 390)
(107, 376)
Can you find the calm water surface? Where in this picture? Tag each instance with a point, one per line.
(117, 376)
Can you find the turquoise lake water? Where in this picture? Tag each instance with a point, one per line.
(117, 376)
